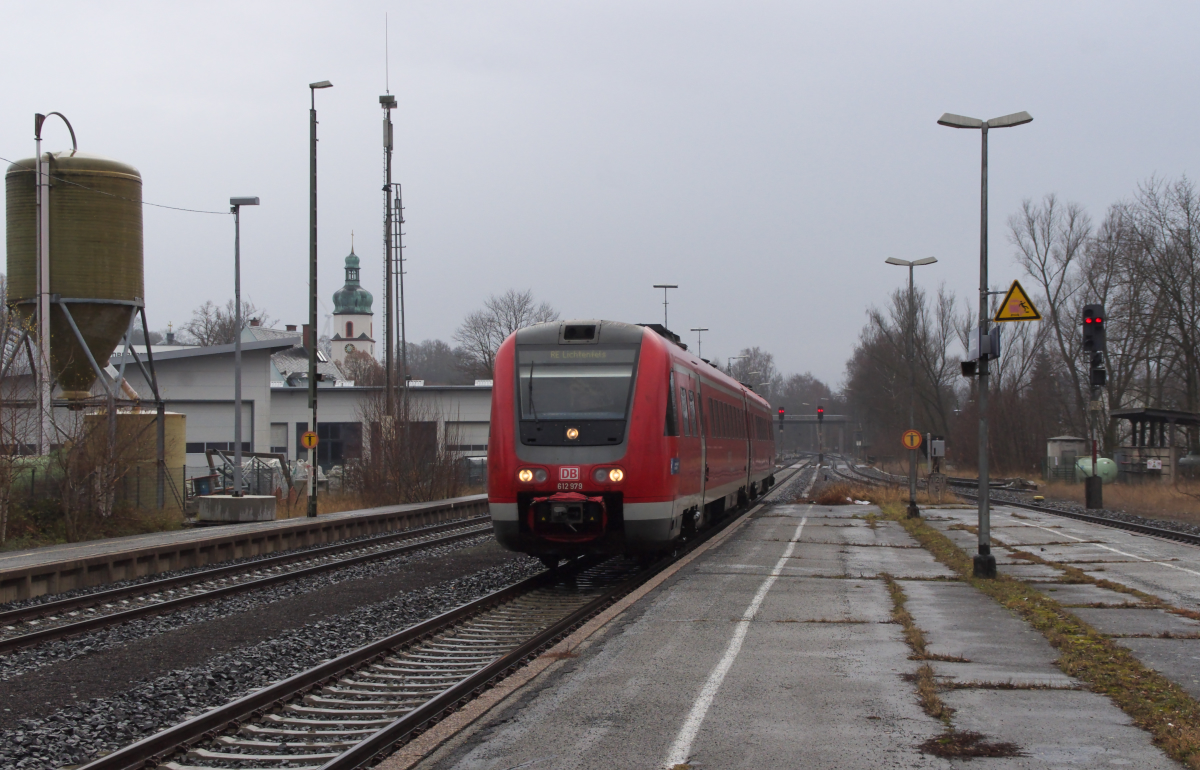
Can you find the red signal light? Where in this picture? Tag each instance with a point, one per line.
(820, 410)
(781, 410)
(1087, 320)
(1099, 320)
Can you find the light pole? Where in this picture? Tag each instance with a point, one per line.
(699, 346)
(312, 288)
(665, 287)
(235, 205)
(388, 103)
(729, 363)
(985, 562)
(913, 511)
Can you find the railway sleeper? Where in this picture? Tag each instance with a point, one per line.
(242, 743)
(280, 719)
(177, 766)
(317, 700)
(327, 712)
(220, 755)
(256, 731)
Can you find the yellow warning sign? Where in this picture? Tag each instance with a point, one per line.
(1017, 306)
(911, 439)
(308, 440)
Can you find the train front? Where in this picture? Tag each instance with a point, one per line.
(560, 467)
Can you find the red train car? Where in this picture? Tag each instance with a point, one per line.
(608, 437)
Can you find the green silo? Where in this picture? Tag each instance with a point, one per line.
(95, 254)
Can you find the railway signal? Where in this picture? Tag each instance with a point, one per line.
(1095, 336)
(1095, 342)
(820, 414)
(781, 413)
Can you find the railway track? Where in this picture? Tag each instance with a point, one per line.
(963, 491)
(349, 711)
(35, 624)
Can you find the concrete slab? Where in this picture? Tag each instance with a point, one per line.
(1173, 586)
(1031, 572)
(1176, 659)
(1085, 593)
(1080, 553)
(1126, 622)
(1055, 729)
(898, 562)
(959, 621)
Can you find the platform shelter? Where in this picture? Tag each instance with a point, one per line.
(1155, 443)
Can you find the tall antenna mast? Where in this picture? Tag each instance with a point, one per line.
(387, 83)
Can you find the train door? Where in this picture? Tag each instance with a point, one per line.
(704, 425)
(747, 418)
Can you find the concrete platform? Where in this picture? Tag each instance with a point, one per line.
(767, 653)
(48, 570)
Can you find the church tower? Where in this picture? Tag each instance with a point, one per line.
(353, 320)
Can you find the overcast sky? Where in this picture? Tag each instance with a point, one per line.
(767, 157)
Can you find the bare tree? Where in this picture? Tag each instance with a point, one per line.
(753, 366)
(483, 331)
(1051, 240)
(211, 324)
(362, 369)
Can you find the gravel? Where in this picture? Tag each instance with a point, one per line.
(77, 734)
(57, 651)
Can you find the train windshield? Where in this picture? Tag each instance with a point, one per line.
(574, 384)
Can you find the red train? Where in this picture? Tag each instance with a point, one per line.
(608, 437)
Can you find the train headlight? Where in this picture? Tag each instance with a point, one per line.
(525, 475)
(572, 434)
(613, 475)
(616, 475)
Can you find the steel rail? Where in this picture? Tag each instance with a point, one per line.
(100, 621)
(156, 749)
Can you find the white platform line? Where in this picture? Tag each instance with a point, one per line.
(1114, 550)
(682, 746)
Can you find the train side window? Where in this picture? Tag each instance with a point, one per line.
(695, 418)
(671, 428)
(684, 412)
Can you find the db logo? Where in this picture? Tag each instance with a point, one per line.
(568, 474)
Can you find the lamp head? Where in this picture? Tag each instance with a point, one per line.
(925, 261)
(898, 261)
(243, 201)
(321, 84)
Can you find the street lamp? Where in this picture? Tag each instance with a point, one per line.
(236, 207)
(664, 287)
(985, 562)
(699, 347)
(312, 287)
(913, 511)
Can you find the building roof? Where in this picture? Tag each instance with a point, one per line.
(165, 353)
(1156, 415)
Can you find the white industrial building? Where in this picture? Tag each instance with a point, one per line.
(198, 382)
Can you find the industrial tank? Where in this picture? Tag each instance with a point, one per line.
(95, 254)
(1106, 469)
